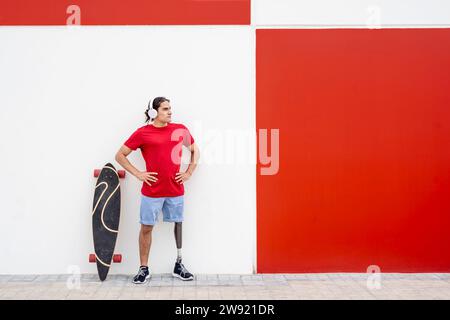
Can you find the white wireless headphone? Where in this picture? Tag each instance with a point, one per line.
(152, 113)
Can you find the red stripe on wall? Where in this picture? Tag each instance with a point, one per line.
(130, 12)
(364, 175)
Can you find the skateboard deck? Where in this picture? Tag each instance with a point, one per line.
(105, 218)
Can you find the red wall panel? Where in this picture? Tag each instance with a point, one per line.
(130, 12)
(364, 177)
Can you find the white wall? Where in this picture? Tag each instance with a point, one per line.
(351, 12)
(71, 96)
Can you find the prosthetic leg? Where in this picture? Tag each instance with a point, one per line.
(177, 231)
(180, 270)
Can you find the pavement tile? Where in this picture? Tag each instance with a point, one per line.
(347, 286)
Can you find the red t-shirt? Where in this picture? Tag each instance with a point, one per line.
(161, 148)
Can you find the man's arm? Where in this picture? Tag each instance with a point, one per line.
(195, 155)
(181, 177)
(121, 158)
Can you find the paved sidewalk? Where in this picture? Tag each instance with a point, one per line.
(240, 287)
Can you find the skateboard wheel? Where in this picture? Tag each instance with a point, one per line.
(121, 173)
(117, 258)
(92, 258)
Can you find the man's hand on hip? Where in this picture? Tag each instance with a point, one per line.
(147, 177)
(181, 177)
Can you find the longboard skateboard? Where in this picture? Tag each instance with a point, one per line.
(105, 218)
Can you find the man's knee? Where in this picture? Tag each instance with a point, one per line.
(146, 229)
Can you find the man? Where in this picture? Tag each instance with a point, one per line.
(162, 189)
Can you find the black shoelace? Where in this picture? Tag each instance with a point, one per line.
(183, 269)
(142, 272)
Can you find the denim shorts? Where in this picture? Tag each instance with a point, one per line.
(172, 208)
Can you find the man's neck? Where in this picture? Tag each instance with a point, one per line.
(159, 124)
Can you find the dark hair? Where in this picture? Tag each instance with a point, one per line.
(155, 105)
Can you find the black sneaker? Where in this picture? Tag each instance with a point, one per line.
(181, 272)
(143, 276)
